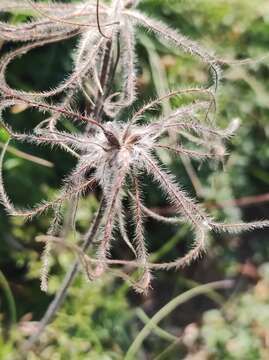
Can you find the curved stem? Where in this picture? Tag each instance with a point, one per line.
(168, 308)
(67, 282)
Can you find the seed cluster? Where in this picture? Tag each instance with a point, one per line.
(114, 153)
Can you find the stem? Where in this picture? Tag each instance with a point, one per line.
(98, 20)
(158, 331)
(67, 282)
(106, 67)
(26, 156)
(167, 309)
(108, 72)
(170, 348)
(9, 298)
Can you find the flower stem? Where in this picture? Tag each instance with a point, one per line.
(67, 282)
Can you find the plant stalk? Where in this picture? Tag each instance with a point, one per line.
(108, 67)
(67, 282)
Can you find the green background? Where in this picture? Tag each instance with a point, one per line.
(100, 320)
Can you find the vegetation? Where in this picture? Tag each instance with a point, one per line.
(105, 318)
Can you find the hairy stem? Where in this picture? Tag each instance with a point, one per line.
(67, 282)
(106, 66)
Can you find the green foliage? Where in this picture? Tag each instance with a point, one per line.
(98, 321)
(240, 329)
(83, 327)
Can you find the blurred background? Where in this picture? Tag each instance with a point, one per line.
(100, 320)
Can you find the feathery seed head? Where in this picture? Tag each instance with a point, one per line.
(112, 154)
